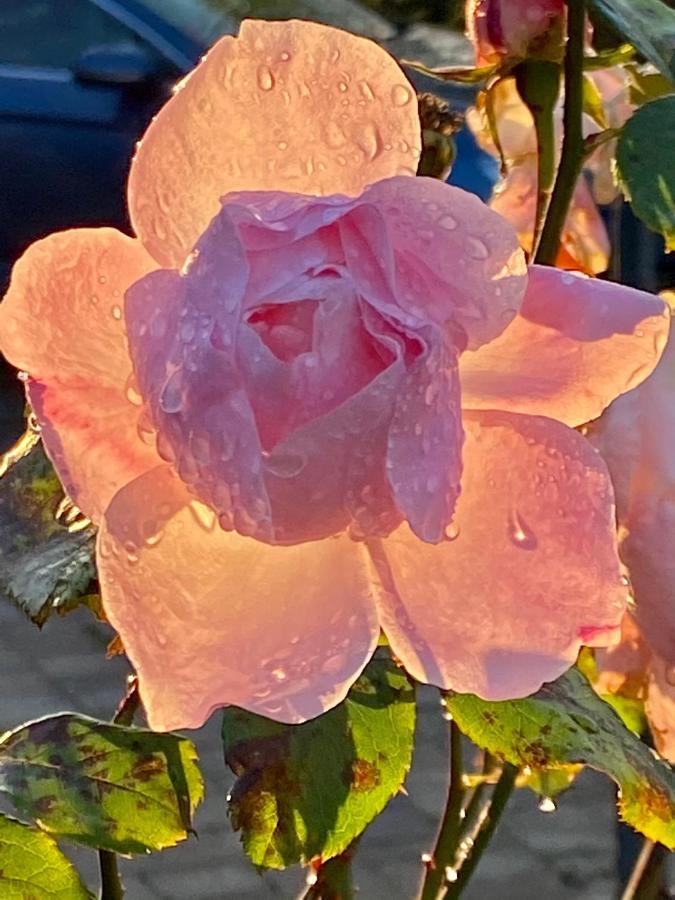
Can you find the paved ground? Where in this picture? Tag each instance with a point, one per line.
(566, 855)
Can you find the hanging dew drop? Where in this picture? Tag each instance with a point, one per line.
(451, 532)
(547, 805)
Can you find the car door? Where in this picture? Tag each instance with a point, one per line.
(69, 119)
(67, 131)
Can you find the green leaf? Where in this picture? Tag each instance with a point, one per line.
(459, 74)
(33, 868)
(309, 790)
(566, 722)
(644, 162)
(548, 783)
(647, 24)
(593, 105)
(44, 567)
(647, 85)
(121, 789)
(605, 59)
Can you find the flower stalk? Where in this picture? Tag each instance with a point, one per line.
(111, 883)
(486, 827)
(333, 879)
(572, 154)
(449, 833)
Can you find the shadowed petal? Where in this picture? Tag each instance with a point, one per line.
(62, 321)
(636, 437)
(182, 335)
(292, 106)
(660, 706)
(425, 443)
(584, 241)
(530, 570)
(455, 261)
(574, 346)
(210, 618)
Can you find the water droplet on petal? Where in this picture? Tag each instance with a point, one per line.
(476, 248)
(171, 398)
(279, 674)
(131, 391)
(284, 465)
(203, 515)
(265, 78)
(448, 223)
(451, 532)
(401, 94)
(519, 532)
(116, 312)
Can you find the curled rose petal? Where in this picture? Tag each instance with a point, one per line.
(455, 261)
(425, 442)
(210, 618)
(586, 341)
(529, 570)
(182, 336)
(62, 321)
(292, 106)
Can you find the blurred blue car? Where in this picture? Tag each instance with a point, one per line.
(79, 82)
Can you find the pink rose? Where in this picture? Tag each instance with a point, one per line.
(635, 436)
(258, 399)
(509, 30)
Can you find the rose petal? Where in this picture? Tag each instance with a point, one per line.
(532, 568)
(209, 618)
(425, 443)
(574, 346)
(584, 243)
(182, 338)
(635, 436)
(62, 322)
(291, 106)
(624, 667)
(660, 707)
(455, 261)
(647, 552)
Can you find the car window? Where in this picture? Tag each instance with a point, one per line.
(200, 20)
(54, 33)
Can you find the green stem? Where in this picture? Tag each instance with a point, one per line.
(111, 883)
(572, 155)
(472, 811)
(450, 830)
(538, 83)
(500, 798)
(333, 879)
(646, 880)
